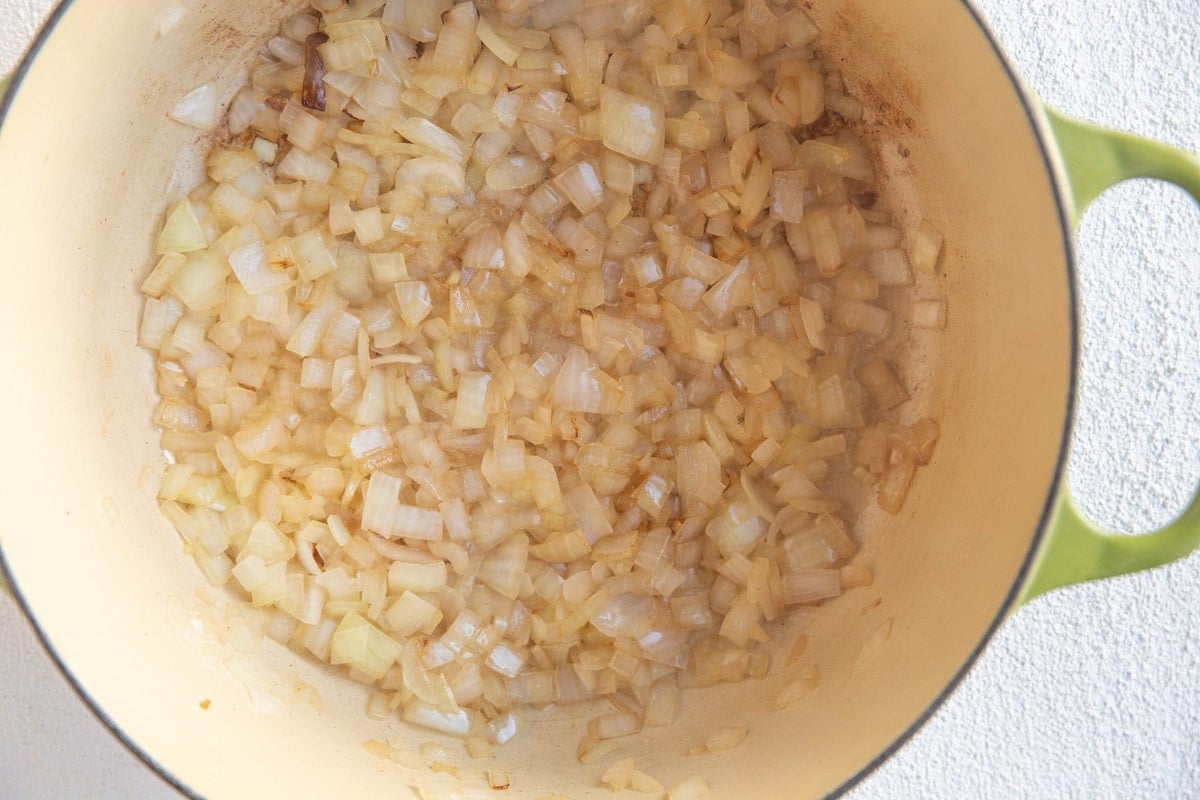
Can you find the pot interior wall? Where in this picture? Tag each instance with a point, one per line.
(89, 158)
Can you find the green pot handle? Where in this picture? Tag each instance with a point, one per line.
(1075, 550)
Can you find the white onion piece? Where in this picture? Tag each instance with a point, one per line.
(182, 232)
(504, 567)
(506, 661)
(380, 501)
(890, 267)
(593, 520)
(423, 132)
(489, 33)
(434, 176)
(250, 266)
(811, 585)
(576, 388)
(625, 615)
(927, 249)
(411, 614)
(513, 172)
(582, 186)
(419, 578)
(455, 723)
(738, 528)
(929, 314)
(199, 108)
(632, 126)
(484, 251)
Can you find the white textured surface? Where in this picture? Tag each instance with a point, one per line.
(1093, 692)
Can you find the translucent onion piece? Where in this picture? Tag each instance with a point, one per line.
(364, 647)
(927, 248)
(199, 108)
(577, 388)
(513, 172)
(455, 723)
(811, 585)
(929, 314)
(632, 126)
(256, 276)
(182, 232)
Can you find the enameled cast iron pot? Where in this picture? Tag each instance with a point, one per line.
(89, 160)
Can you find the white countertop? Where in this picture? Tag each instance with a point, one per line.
(1092, 692)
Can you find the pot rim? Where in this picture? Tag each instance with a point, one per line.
(1051, 159)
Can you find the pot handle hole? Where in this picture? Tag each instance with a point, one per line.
(1095, 159)
(5, 80)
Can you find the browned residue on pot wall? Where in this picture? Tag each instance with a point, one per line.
(865, 47)
(893, 103)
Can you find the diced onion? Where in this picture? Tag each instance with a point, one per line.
(513, 172)
(881, 382)
(632, 126)
(612, 726)
(581, 185)
(929, 314)
(577, 387)
(250, 266)
(525, 354)
(890, 267)
(811, 585)
(927, 248)
(455, 723)
(199, 108)
(182, 232)
(364, 647)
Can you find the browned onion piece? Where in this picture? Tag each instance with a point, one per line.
(312, 94)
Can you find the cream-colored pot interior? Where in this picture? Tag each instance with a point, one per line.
(89, 158)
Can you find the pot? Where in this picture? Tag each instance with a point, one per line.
(90, 158)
